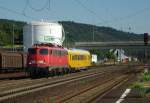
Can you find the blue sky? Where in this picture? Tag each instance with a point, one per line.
(127, 15)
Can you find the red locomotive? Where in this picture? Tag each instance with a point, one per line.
(44, 58)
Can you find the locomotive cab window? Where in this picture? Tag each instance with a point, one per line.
(43, 51)
(31, 51)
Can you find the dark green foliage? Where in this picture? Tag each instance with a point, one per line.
(110, 55)
(83, 33)
(101, 54)
(137, 85)
(75, 32)
(6, 31)
(146, 76)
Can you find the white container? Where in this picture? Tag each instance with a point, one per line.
(94, 58)
(42, 32)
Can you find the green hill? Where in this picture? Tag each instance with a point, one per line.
(74, 32)
(84, 32)
(6, 31)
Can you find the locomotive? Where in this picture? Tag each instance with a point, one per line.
(45, 59)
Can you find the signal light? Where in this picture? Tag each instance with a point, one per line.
(145, 38)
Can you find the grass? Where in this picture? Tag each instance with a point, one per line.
(146, 76)
(10, 46)
(139, 89)
(139, 86)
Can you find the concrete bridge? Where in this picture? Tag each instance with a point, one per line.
(112, 45)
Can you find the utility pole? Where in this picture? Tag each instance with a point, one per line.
(145, 44)
(13, 37)
(93, 33)
(66, 41)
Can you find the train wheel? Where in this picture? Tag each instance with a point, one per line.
(53, 73)
(68, 71)
(61, 71)
(50, 74)
(64, 71)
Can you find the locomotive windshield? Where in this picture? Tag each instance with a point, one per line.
(32, 51)
(43, 51)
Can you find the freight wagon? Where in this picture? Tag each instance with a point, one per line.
(12, 61)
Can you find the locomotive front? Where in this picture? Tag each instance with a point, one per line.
(45, 60)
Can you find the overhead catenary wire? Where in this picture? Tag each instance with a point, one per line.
(116, 20)
(25, 7)
(23, 12)
(90, 11)
(16, 12)
(49, 5)
(46, 5)
(131, 15)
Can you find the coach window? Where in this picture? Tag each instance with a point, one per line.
(79, 57)
(85, 57)
(43, 51)
(70, 57)
(75, 57)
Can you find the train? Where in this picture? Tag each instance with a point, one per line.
(45, 60)
(50, 60)
(43, 52)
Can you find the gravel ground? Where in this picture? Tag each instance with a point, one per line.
(58, 93)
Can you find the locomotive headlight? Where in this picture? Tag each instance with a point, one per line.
(38, 62)
(32, 62)
(41, 62)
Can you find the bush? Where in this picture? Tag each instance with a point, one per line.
(137, 85)
(146, 76)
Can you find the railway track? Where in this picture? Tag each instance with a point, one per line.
(29, 86)
(90, 94)
(21, 91)
(6, 84)
(109, 88)
(13, 75)
(41, 84)
(24, 90)
(23, 74)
